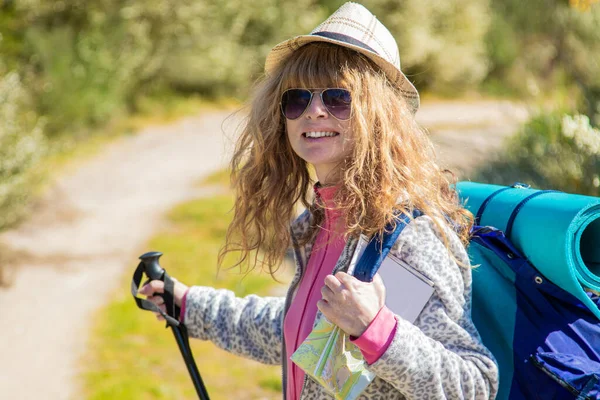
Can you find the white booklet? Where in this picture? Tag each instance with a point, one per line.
(407, 290)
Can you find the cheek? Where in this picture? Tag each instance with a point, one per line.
(292, 137)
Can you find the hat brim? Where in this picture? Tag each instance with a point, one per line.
(283, 50)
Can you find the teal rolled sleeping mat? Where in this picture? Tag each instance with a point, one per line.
(559, 233)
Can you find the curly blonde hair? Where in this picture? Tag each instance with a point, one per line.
(392, 167)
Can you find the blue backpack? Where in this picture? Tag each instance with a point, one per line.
(546, 340)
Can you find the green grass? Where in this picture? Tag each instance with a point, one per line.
(132, 356)
(218, 178)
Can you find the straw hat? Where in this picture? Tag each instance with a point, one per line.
(353, 26)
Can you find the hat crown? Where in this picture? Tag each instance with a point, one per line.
(354, 27)
(357, 24)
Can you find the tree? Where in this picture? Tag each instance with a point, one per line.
(548, 39)
(442, 45)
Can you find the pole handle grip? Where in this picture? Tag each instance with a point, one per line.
(151, 265)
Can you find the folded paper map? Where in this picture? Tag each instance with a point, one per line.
(328, 356)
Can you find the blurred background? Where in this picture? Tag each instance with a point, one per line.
(511, 92)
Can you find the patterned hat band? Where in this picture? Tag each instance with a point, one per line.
(345, 38)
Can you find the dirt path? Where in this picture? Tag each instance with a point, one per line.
(93, 224)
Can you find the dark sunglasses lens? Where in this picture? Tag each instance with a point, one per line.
(338, 102)
(294, 102)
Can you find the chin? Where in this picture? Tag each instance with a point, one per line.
(315, 159)
(317, 162)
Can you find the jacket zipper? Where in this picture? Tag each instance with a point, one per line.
(288, 301)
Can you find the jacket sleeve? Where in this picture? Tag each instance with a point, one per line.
(441, 356)
(250, 327)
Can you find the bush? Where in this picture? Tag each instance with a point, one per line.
(442, 45)
(91, 60)
(227, 43)
(22, 143)
(552, 151)
(537, 46)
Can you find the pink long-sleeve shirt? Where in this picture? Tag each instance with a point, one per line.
(300, 317)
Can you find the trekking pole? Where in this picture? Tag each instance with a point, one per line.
(153, 270)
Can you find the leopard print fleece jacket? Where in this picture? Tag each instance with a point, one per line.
(439, 357)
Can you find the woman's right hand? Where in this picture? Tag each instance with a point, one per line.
(152, 288)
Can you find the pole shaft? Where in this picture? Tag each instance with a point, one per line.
(188, 358)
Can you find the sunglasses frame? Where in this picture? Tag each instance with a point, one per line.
(312, 93)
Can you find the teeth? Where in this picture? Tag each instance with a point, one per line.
(319, 134)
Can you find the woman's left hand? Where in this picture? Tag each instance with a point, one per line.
(351, 304)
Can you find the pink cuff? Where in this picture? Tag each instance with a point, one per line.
(182, 308)
(378, 336)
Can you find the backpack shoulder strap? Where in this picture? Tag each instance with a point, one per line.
(379, 247)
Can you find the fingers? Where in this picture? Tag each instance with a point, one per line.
(150, 290)
(331, 287)
(160, 303)
(159, 316)
(327, 294)
(158, 300)
(377, 280)
(344, 278)
(156, 286)
(324, 307)
(349, 280)
(333, 283)
(152, 287)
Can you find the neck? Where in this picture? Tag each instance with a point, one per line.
(328, 175)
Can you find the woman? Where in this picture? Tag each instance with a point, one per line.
(337, 101)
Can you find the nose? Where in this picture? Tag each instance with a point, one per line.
(316, 108)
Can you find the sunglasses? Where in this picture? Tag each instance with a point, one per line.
(294, 102)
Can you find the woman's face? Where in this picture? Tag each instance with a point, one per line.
(320, 139)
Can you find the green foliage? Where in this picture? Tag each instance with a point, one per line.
(552, 151)
(88, 61)
(441, 43)
(225, 48)
(539, 45)
(501, 43)
(79, 84)
(11, 39)
(21, 145)
(93, 58)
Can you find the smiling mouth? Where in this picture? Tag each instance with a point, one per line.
(318, 135)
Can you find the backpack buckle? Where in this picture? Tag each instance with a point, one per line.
(520, 185)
